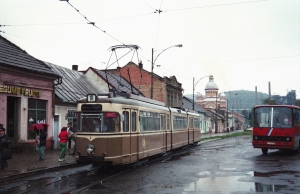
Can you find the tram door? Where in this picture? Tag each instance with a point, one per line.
(134, 136)
(130, 140)
(166, 132)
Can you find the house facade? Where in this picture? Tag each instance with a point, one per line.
(164, 89)
(27, 95)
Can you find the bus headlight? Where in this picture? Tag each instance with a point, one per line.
(287, 139)
(90, 148)
(255, 137)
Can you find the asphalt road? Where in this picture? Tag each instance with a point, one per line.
(230, 165)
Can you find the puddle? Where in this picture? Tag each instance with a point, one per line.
(246, 183)
(219, 185)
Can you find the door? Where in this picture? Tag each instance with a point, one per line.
(133, 136)
(12, 120)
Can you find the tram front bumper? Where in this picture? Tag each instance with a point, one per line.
(90, 158)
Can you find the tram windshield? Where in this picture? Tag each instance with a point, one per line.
(98, 122)
(273, 117)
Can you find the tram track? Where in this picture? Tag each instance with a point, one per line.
(88, 181)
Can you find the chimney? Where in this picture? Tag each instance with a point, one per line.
(75, 67)
(140, 65)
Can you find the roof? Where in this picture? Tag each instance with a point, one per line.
(118, 82)
(13, 56)
(188, 104)
(74, 86)
(211, 84)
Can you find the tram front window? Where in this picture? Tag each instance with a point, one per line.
(101, 123)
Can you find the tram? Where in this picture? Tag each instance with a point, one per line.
(119, 129)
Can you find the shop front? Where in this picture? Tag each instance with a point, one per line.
(22, 106)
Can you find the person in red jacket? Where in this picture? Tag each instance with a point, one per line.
(63, 139)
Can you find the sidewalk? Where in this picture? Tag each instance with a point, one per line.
(28, 162)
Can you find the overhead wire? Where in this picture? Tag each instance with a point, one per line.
(93, 23)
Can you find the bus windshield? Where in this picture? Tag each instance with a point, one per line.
(98, 122)
(273, 117)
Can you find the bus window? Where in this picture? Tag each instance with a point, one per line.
(297, 117)
(273, 117)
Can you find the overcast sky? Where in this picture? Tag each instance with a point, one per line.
(242, 43)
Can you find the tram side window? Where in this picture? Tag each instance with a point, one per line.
(163, 122)
(126, 121)
(133, 121)
(297, 117)
(156, 121)
(149, 121)
(168, 122)
(191, 123)
(179, 122)
(197, 123)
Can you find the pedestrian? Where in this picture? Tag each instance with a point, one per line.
(40, 147)
(63, 139)
(210, 131)
(4, 144)
(71, 132)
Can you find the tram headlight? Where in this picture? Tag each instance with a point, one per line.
(255, 137)
(287, 139)
(90, 148)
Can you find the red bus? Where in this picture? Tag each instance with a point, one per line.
(276, 127)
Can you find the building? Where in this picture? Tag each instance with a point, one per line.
(165, 89)
(205, 118)
(27, 94)
(212, 99)
(74, 85)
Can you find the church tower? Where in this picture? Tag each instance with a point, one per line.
(212, 100)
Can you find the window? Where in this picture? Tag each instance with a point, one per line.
(273, 117)
(297, 117)
(126, 121)
(36, 114)
(149, 121)
(133, 121)
(98, 122)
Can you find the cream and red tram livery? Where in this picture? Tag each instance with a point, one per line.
(128, 128)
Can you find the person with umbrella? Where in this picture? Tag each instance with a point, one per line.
(41, 143)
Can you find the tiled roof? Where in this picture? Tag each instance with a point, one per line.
(13, 56)
(188, 104)
(119, 83)
(74, 85)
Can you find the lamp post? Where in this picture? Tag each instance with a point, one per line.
(194, 85)
(153, 62)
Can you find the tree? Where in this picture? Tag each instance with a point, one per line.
(297, 102)
(269, 101)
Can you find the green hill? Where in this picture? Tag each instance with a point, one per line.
(241, 99)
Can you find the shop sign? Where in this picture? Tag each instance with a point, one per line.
(19, 91)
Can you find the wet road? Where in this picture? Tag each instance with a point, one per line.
(230, 165)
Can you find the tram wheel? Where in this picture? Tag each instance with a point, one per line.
(264, 151)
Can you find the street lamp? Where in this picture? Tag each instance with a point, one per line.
(194, 86)
(153, 62)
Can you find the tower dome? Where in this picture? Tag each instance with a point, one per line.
(211, 85)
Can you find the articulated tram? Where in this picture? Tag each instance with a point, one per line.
(122, 129)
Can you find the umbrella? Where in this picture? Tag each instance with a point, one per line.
(38, 126)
